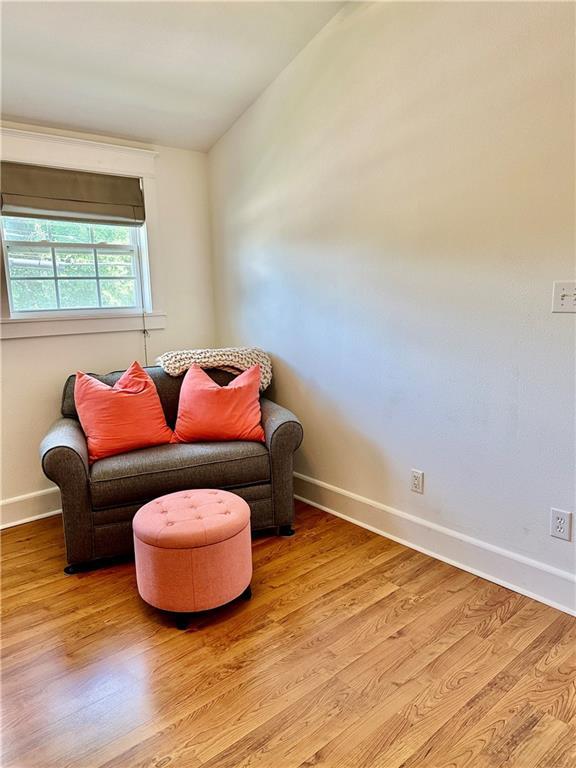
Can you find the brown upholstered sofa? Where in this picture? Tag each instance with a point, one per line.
(99, 501)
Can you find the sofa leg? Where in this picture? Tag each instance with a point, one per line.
(182, 620)
(286, 530)
(82, 567)
(247, 594)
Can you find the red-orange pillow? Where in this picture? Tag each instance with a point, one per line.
(207, 411)
(121, 418)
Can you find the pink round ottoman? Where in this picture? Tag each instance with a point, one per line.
(193, 550)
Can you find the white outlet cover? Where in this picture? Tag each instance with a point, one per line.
(564, 296)
(417, 481)
(561, 524)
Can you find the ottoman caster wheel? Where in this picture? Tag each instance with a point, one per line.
(182, 620)
(247, 594)
(286, 530)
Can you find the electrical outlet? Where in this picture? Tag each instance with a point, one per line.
(564, 296)
(561, 524)
(417, 484)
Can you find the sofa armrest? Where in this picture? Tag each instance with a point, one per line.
(283, 433)
(63, 446)
(64, 455)
(280, 425)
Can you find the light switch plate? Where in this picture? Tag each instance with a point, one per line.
(564, 296)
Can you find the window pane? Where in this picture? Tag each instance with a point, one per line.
(32, 295)
(68, 232)
(78, 294)
(16, 228)
(118, 293)
(109, 233)
(32, 230)
(75, 263)
(115, 264)
(23, 263)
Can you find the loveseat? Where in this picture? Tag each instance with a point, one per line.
(100, 500)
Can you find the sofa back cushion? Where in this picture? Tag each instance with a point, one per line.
(168, 389)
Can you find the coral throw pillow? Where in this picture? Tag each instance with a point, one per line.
(207, 411)
(121, 418)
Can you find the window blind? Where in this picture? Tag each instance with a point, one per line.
(35, 191)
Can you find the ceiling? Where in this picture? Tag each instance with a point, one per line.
(173, 73)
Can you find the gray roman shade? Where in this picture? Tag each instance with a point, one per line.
(35, 191)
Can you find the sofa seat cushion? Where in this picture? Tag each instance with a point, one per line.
(142, 475)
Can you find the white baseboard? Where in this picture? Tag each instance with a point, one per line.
(29, 507)
(529, 577)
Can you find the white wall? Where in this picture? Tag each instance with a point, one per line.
(34, 370)
(388, 219)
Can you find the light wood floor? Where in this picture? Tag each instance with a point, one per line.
(354, 651)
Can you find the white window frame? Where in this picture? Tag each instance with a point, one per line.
(79, 154)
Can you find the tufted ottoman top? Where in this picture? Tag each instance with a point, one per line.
(191, 519)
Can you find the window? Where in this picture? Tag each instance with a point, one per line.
(55, 266)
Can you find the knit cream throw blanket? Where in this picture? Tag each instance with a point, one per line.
(233, 359)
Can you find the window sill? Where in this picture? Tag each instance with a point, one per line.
(35, 327)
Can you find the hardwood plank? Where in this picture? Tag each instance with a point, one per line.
(425, 638)
(286, 740)
(532, 621)
(447, 683)
(529, 742)
(517, 708)
(561, 754)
